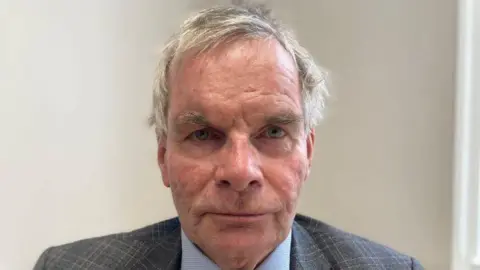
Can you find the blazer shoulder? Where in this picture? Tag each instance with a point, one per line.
(346, 250)
(112, 251)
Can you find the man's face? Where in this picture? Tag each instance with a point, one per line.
(236, 152)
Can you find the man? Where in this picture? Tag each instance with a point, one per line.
(234, 110)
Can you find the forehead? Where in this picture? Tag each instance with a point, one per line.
(252, 75)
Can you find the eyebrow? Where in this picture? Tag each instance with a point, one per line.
(285, 118)
(196, 118)
(192, 118)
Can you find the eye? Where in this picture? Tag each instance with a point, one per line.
(274, 132)
(201, 134)
(204, 134)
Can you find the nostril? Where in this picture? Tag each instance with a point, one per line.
(239, 186)
(223, 183)
(254, 184)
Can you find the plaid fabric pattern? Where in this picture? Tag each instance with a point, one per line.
(315, 246)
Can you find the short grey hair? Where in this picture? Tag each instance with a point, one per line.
(221, 24)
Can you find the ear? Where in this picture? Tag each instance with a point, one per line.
(161, 160)
(310, 146)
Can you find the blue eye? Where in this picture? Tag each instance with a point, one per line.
(201, 134)
(274, 132)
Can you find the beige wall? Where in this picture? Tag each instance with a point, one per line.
(76, 159)
(384, 154)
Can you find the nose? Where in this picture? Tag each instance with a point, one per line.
(239, 169)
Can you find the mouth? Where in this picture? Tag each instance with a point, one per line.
(238, 217)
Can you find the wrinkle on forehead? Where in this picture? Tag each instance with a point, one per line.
(253, 52)
(236, 80)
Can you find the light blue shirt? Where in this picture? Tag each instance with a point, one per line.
(194, 259)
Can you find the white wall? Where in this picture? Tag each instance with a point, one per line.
(384, 155)
(385, 152)
(77, 160)
(76, 156)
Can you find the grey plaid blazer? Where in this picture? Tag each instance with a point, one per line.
(315, 245)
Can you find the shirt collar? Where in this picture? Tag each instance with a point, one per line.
(193, 258)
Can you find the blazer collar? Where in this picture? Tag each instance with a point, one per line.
(305, 253)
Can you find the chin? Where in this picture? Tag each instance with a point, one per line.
(235, 246)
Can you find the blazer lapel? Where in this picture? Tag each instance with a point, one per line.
(165, 253)
(305, 254)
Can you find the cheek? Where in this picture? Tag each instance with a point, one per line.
(287, 178)
(188, 178)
